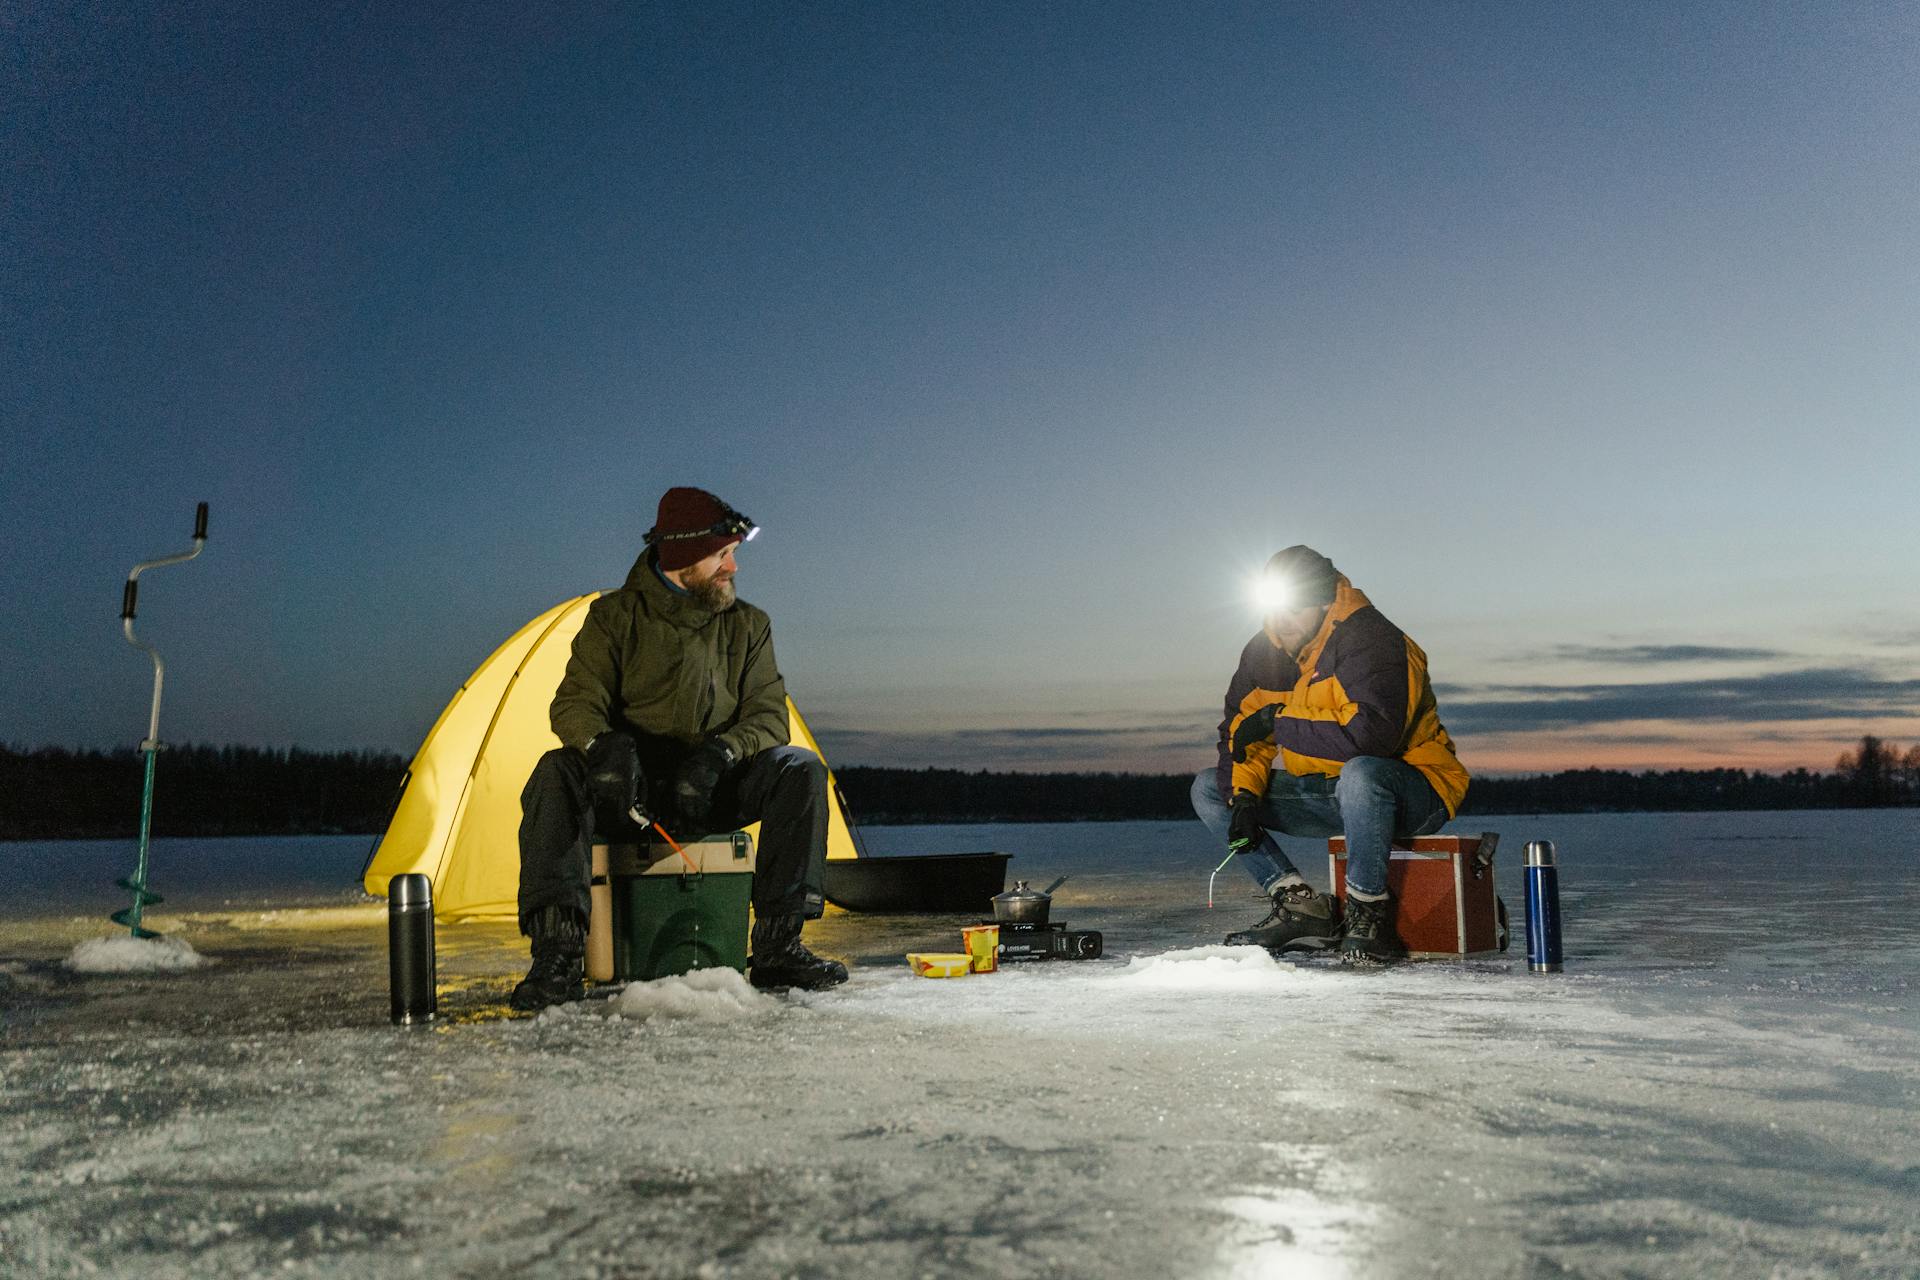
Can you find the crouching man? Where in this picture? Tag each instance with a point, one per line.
(673, 709)
(1338, 698)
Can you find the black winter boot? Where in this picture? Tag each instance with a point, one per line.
(1301, 920)
(781, 960)
(558, 974)
(1369, 938)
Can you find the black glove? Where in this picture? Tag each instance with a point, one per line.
(614, 779)
(1257, 727)
(1244, 831)
(699, 777)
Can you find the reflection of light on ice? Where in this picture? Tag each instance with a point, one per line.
(1296, 1232)
(1214, 969)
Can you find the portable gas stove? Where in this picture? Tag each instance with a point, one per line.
(1053, 941)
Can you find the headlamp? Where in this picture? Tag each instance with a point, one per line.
(1274, 594)
(731, 525)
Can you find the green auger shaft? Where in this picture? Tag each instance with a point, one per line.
(137, 883)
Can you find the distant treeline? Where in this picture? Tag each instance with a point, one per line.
(51, 793)
(951, 795)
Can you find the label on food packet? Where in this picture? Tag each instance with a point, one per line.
(983, 947)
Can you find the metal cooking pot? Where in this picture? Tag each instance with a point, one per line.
(1023, 904)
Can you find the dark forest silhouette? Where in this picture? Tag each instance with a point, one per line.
(53, 793)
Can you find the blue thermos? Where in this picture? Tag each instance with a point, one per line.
(1543, 908)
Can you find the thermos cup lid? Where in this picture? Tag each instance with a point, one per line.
(1540, 854)
(410, 892)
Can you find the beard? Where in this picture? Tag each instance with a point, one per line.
(715, 594)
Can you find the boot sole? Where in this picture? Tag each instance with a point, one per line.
(515, 1003)
(775, 985)
(1312, 941)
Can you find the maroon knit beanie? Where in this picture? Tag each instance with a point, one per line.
(683, 511)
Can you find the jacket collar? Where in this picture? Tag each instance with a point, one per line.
(663, 601)
(1347, 601)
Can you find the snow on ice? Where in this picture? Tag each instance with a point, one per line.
(705, 995)
(1723, 1085)
(169, 953)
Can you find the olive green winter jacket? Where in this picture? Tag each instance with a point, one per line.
(653, 659)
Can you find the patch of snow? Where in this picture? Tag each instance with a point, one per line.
(1212, 968)
(705, 995)
(123, 953)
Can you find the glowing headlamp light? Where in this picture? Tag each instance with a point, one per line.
(1274, 594)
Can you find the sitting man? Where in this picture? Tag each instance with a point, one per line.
(1340, 697)
(672, 709)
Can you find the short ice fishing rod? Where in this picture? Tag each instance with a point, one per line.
(137, 883)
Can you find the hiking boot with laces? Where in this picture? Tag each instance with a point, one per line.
(780, 960)
(1368, 938)
(1301, 920)
(558, 975)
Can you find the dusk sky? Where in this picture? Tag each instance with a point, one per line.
(1584, 338)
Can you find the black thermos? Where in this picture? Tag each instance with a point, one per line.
(410, 949)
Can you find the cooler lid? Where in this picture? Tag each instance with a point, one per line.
(729, 854)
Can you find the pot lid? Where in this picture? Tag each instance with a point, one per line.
(1021, 892)
(1024, 892)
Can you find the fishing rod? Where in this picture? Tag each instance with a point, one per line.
(129, 601)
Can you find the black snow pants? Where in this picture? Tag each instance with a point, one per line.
(783, 788)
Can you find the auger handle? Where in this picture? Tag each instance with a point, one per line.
(200, 523)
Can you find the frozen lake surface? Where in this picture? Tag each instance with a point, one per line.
(1725, 1082)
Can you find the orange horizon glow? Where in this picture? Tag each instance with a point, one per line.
(1722, 747)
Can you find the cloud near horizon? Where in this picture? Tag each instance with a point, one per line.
(1653, 653)
(1818, 693)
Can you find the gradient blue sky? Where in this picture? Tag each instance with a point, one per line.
(1585, 338)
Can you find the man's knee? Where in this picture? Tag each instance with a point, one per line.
(562, 770)
(799, 770)
(1366, 775)
(563, 760)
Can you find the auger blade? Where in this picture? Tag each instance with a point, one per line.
(141, 895)
(124, 917)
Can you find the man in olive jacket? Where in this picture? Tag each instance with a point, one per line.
(673, 709)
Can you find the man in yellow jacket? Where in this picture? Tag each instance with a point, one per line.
(1330, 728)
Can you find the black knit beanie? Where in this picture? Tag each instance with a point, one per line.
(1310, 574)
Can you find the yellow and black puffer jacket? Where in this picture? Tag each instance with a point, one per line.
(1360, 688)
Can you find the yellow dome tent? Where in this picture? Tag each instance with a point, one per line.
(458, 819)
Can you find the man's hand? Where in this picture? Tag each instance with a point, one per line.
(1244, 832)
(618, 787)
(1256, 727)
(699, 778)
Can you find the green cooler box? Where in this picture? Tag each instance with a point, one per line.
(669, 917)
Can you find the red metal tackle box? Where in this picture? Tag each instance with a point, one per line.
(1442, 887)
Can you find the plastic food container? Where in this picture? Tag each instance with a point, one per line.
(940, 964)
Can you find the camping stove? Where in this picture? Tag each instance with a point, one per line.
(1022, 942)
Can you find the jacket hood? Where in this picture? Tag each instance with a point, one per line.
(662, 600)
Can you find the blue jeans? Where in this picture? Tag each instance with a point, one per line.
(1374, 801)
